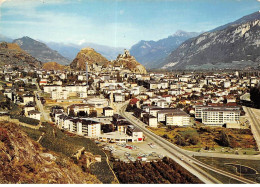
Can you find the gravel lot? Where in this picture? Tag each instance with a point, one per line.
(129, 151)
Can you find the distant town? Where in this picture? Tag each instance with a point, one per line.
(129, 92)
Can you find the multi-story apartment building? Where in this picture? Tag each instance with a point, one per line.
(217, 115)
(178, 118)
(59, 94)
(68, 88)
(79, 126)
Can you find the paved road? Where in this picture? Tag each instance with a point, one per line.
(39, 104)
(254, 118)
(180, 156)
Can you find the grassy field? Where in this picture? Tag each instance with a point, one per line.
(241, 141)
(221, 164)
(56, 140)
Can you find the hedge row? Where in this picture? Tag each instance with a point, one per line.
(27, 120)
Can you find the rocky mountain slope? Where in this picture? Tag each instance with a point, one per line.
(24, 161)
(151, 53)
(236, 47)
(88, 55)
(129, 62)
(70, 51)
(53, 66)
(40, 51)
(13, 54)
(244, 19)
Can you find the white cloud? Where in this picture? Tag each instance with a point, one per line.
(64, 27)
(121, 12)
(80, 42)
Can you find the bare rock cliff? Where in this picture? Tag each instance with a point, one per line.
(129, 62)
(24, 161)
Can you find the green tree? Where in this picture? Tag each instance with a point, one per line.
(255, 96)
(180, 140)
(224, 139)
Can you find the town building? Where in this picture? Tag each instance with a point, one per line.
(34, 114)
(108, 111)
(217, 115)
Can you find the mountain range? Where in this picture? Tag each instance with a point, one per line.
(71, 50)
(40, 50)
(60, 52)
(235, 45)
(151, 53)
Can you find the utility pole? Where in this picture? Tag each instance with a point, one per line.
(87, 76)
(87, 73)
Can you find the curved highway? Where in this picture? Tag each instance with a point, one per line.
(188, 162)
(255, 125)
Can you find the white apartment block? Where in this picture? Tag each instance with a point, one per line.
(176, 119)
(59, 94)
(88, 128)
(153, 122)
(119, 97)
(81, 127)
(34, 114)
(69, 89)
(28, 99)
(214, 115)
(107, 111)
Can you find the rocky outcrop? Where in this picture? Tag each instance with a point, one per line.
(53, 66)
(90, 56)
(40, 51)
(244, 19)
(14, 55)
(129, 62)
(237, 46)
(25, 161)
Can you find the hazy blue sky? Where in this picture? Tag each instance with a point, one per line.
(119, 23)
